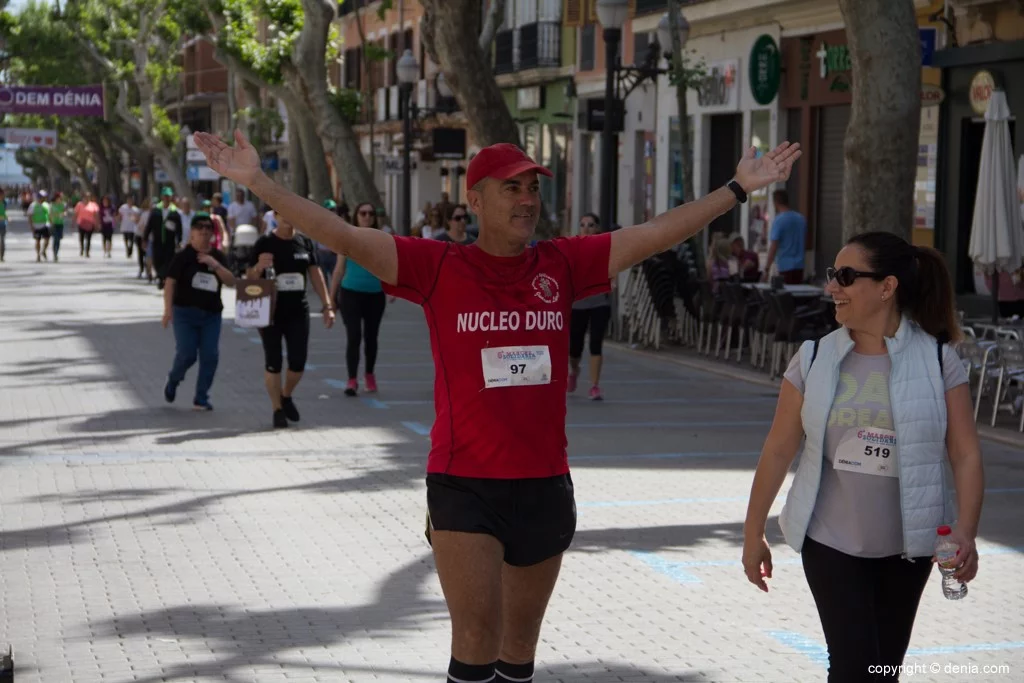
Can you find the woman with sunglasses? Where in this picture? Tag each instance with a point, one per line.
(890, 437)
(456, 223)
(293, 258)
(361, 302)
(192, 303)
(592, 312)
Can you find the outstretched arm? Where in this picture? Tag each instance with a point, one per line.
(373, 249)
(633, 245)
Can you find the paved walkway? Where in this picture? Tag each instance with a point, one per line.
(142, 542)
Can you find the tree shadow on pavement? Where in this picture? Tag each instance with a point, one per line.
(247, 639)
(658, 538)
(405, 473)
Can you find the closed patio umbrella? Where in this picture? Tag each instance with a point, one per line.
(997, 235)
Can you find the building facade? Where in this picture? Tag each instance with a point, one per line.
(988, 54)
(434, 171)
(534, 62)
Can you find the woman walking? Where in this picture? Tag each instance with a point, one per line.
(192, 303)
(361, 302)
(58, 210)
(591, 313)
(293, 260)
(142, 241)
(886, 410)
(107, 214)
(87, 219)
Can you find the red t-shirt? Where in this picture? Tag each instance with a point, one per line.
(505, 420)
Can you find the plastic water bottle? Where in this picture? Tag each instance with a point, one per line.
(270, 273)
(946, 552)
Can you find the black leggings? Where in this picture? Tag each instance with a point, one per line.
(361, 312)
(84, 241)
(140, 248)
(597, 319)
(867, 608)
(294, 329)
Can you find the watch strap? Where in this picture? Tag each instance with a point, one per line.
(737, 190)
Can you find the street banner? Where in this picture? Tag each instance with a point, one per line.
(72, 100)
(29, 137)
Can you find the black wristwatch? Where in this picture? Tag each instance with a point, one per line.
(737, 190)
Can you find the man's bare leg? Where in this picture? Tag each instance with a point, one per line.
(526, 592)
(470, 569)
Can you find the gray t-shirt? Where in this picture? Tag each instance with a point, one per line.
(596, 301)
(858, 507)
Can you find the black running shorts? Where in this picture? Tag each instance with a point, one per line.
(535, 519)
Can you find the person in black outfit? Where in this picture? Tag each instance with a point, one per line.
(192, 302)
(164, 227)
(294, 262)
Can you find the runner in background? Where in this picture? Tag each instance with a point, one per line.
(591, 313)
(39, 221)
(361, 302)
(58, 210)
(87, 220)
(293, 258)
(192, 302)
(107, 217)
(126, 224)
(3, 225)
(141, 217)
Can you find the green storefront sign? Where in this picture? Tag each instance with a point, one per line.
(765, 69)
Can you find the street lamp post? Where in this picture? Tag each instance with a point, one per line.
(612, 14)
(408, 73)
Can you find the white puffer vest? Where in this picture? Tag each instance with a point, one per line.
(917, 396)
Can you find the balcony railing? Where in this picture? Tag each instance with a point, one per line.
(504, 52)
(540, 45)
(528, 47)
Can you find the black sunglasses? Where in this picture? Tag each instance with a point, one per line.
(459, 217)
(846, 275)
(367, 213)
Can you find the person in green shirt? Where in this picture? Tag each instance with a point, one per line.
(39, 220)
(58, 209)
(3, 225)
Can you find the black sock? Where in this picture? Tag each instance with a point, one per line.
(517, 673)
(469, 673)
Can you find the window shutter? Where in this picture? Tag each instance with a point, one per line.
(573, 12)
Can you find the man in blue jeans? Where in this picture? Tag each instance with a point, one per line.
(788, 238)
(192, 302)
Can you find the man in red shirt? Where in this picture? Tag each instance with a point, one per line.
(499, 494)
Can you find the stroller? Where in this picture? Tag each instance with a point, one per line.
(241, 248)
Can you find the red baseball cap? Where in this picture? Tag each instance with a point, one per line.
(502, 161)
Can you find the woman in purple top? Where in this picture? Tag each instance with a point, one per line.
(107, 225)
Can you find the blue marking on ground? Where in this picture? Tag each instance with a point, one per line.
(417, 427)
(673, 570)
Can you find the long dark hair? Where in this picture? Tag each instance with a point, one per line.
(355, 214)
(925, 289)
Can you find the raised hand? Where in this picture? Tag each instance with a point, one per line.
(755, 172)
(239, 163)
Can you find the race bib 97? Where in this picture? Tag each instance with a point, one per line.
(868, 451)
(513, 366)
